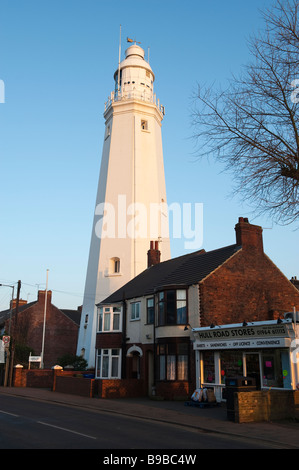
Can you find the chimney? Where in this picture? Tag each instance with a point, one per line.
(41, 296)
(13, 303)
(153, 254)
(249, 236)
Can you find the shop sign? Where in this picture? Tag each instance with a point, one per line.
(251, 336)
(247, 332)
(245, 343)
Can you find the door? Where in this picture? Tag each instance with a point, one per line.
(252, 367)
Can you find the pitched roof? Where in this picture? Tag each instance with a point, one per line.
(5, 314)
(74, 315)
(184, 270)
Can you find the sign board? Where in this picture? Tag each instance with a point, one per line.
(6, 341)
(2, 352)
(248, 332)
(239, 344)
(35, 358)
(251, 336)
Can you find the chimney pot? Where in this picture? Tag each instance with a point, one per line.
(153, 254)
(248, 235)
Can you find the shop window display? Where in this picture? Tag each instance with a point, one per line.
(231, 364)
(276, 369)
(208, 367)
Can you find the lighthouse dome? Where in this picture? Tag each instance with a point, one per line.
(134, 57)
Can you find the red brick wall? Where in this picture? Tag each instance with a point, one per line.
(109, 388)
(108, 340)
(61, 333)
(75, 386)
(174, 390)
(247, 287)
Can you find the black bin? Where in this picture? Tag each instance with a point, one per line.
(233, 385)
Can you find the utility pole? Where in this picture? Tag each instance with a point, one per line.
(9, 328)
(14, 333)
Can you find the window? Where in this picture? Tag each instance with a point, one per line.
(144, 125)
(135, 311)
(172, 308)
(108, 131)
(109, 319)
(231, 364)
(114, 266)
(208, 367)
(276, 368)
(108, 364)
(173, 361)
(150, 310)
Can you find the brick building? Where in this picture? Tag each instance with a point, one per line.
(61, 330)
(144, 329)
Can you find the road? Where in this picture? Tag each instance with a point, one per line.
(28, 424)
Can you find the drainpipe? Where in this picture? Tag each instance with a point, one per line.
(124, 339)
(155, 353)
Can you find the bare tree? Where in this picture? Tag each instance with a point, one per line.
(253, 126)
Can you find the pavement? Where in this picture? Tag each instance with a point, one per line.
(282, 434)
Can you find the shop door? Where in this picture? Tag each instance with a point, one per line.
(252, 367)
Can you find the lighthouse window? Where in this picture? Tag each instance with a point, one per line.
(144, 125)
(114, 266)
(108, 131)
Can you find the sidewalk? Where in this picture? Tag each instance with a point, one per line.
(283, 434)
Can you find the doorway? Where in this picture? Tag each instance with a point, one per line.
(252, 367)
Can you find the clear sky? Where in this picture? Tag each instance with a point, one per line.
(57, 60)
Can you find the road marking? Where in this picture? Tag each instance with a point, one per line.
(67, 430)
(11, 414)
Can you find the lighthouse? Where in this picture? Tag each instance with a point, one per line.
(131, 205)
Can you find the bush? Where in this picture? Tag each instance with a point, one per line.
(77, 362)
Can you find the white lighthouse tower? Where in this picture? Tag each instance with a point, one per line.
(131, 208)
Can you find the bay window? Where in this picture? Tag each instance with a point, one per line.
(173, 361)
(108, 364)
(109, 319)
(172, 307)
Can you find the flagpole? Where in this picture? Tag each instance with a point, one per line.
(44, 325)
(119, 53)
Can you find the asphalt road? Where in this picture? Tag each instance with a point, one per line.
(28, 424)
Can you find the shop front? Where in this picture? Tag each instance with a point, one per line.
(265, 351)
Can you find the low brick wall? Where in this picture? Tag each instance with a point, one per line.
(75, 386)
(123, 388)
(272, 405)
(35, 378)
(174, 390)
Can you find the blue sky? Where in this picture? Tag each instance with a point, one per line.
(57, 60)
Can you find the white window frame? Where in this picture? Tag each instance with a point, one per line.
(133, 316)
(107, 354)
(106, 317)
